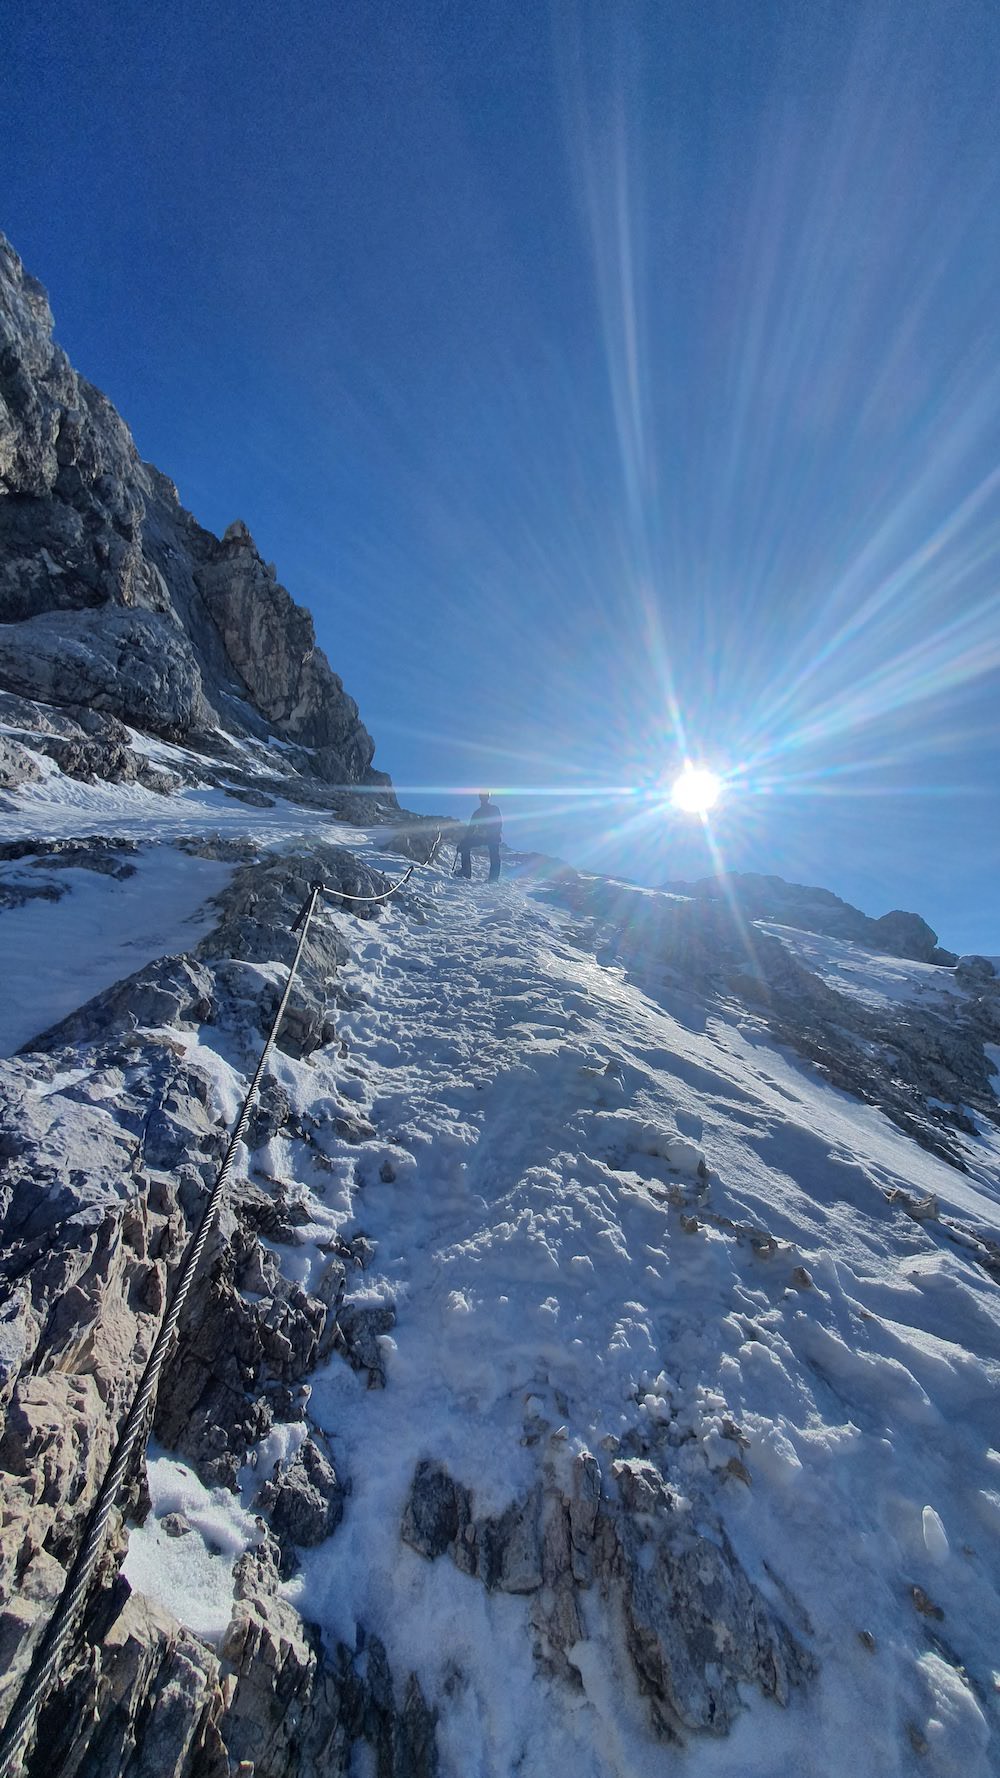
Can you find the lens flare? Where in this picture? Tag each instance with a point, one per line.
(696, 790)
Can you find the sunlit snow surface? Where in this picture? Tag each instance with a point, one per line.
(876, 980)
(56, 955)
(183, 1556)
(543, 1286)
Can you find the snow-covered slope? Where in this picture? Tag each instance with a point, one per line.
(659, 1381)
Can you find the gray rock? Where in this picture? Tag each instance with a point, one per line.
(237, 1361)
(304, 1501)
(104, 1169)
(695, 1626)
(272, 644)
(437, 1510)
(106, 857)
(144, 1707)
(270, 1113)
(359, 1327)
(256, 799)
(16, 765)
(17, 895)
(973, 971)
(173, 991)
(907, 935)
(100, 761)
(403, 1739)
(135, 664)
(113, 597)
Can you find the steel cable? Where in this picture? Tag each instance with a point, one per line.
(37, 1682)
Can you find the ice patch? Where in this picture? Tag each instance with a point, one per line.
(187, 1565)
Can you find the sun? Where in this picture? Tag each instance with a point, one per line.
(696, 790)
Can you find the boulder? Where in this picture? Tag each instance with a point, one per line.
(906, 935)
(16, 765)
(135, 664)
(304, 1500)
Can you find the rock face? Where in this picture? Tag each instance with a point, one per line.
(113, 597)
(104, 1169)
(818, 910)
(134, 664)
(271, 642)
(695, 1626)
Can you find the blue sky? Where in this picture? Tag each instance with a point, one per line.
(611, 381)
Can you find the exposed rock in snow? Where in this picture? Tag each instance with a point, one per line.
(695, 1626)
(16, 765)
(135, 664)
(919, 1056)
(304, 1501)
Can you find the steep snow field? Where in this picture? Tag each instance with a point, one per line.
(611, 1222)
(873, 979)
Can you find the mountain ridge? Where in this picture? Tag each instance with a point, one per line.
(897, 933)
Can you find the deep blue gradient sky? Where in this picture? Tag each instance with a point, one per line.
(611, 381)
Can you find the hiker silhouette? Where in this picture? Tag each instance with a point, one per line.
(484, 829)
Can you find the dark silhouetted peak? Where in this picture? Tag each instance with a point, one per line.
(811, 909)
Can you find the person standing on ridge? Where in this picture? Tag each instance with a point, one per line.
(484, 829)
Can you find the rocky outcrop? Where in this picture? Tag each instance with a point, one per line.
(147, 1697)
(134, 664)
(109, 1140)
(271, 642)
(896, 934)
(923, 1063)
(16, 765)
(113, 597)
(304, 1501)
(696, 1627)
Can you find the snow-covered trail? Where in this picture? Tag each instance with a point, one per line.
(519, 1199)
(789, 1349)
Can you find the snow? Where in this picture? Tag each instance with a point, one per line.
(877, 981)
(543, 1280)
(56, 955)
(542, 1126)
(189, 1569)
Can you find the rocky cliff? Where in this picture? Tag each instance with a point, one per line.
(115, 604)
